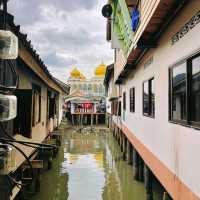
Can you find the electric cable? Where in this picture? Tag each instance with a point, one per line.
(26, 158)
(29, 144)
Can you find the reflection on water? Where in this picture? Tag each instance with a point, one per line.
(89, 167)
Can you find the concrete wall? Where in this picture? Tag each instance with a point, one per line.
(176, 146)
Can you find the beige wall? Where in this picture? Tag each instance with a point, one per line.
(176, 146)
(25, 82)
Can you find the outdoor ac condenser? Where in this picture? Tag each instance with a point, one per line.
(7, 159)
(8, 107)
(8, 45)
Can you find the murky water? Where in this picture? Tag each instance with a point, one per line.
(90, 167)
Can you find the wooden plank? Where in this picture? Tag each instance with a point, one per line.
(15, 191)
(36, 164)
(51, 141)
(55, 134)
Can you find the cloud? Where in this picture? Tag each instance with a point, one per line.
(66, 33)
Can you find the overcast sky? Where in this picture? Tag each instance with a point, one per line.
(66, 33)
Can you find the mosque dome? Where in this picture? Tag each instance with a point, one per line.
(100, 70)
(75, 73)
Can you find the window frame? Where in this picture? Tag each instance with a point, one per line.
(124, 100)
(150, 113)
(188, 121)
(132, 99)
(36, 97)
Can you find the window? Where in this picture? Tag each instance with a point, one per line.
(51, 104)
(36, 104)
(132, 100)
(119, 109)
(89, 89)
(195, 90)
(23, 121)
(116, 105)
(149, 98)
(124, 101)
(100, 89)
(178, 74)
(185, 92)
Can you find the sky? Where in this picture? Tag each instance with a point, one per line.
(65, 33)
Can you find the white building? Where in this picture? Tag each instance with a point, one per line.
(90, 87)
(159, 75)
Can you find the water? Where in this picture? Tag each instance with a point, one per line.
(90, 167)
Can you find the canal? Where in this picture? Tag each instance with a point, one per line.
(89, 166)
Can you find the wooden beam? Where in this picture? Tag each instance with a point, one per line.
(36, 164)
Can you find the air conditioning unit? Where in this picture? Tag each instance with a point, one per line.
(8, 45)
(8, 107)
(7, 159)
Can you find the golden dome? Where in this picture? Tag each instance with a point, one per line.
(75, 73)
(100, 70)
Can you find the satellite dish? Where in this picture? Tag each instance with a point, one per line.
(8, 45)
(107, 11)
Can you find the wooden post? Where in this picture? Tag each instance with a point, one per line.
(148, 176)
(124, 146)
(129, 153)
(73, 119)
(91, 120)
(166, 196)
(141, 169)
(121, 141)
(82, 120)
(118, 136)
(96, 119)
(135, 165)
(34, 187)
(5, 188)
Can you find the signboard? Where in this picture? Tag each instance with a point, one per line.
(122, 25)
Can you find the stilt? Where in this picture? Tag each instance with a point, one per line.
(135, 165)
(129, 153)
(121, 141)
(166, 196)
(30, 189)
(115, 132)
(118, 136)
(47, 157)
(81, 120)
(148, 182)
(141, 169)
(96, 119)
(124, 147)
(73, 119)
(5, 188)
(91, 120)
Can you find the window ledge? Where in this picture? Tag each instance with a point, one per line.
(185, 125)
(149, 116)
